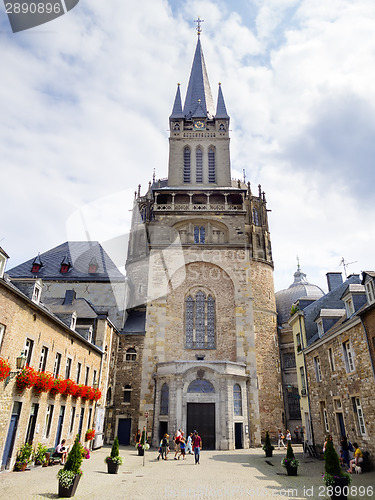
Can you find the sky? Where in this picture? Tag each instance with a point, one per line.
(85, 101)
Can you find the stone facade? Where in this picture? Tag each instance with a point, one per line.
(343, 399)
(200, 269)
(23, 319)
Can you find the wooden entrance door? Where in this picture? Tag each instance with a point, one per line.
(201, 417)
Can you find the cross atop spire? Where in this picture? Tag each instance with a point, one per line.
(199, 27)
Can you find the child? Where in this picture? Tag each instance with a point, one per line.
(160, 450)
(182, 448)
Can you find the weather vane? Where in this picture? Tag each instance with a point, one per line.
(199, 27)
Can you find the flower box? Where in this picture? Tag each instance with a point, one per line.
(26, 378)
(4, 368)
(44, 382)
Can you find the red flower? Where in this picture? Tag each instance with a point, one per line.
(44, 382)
(26, 378)
(59, 386)
(90, 434)
(83, 391)
(4, 368)
(96, 394)
(71, 388)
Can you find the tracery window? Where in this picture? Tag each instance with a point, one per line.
(187, 160)
(211, 165)
(237, 400)
(164, 399)
(199, 165)
(200, 321)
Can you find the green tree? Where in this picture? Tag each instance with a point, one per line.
(331, 460)
(115, 452)
(290, 452)
(75, 457)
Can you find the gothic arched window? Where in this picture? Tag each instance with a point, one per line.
(187, 159)
(255, 217)
(211, 165)
(199, 165)
(164, 400)
(237, 400)
(200, 321)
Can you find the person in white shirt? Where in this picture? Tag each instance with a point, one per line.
(61, 452)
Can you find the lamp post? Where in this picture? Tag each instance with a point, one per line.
(20, 365)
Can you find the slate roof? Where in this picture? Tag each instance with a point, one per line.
(79, 254)
(221, 110)
(199, 87)
(135, 322)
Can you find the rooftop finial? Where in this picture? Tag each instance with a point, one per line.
(199, 27)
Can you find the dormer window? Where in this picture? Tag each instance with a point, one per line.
(370, 291)
(349, 307)
(93, 266)
(65, 265)
(36, 265)
(37, 292)
(73, 321)
(320, 327)
(3, 261)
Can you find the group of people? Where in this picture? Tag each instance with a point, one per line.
(182, 446)
(346, 448)
(288, 436)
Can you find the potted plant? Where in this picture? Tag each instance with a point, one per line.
(290, 462)
(267, 447)
(23, 457)
(336, 480)
(39, 454)
(70, 474)
(44, 382)
(114, 460)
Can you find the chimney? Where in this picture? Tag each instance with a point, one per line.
(70, 295)
(334, 280)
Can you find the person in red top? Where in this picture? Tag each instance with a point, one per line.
(197, 446)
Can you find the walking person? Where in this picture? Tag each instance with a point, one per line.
(288, 436)
(176, 440)
(344, 449)
(197, 445)
(280, 439)
(296, 431)
(182, 447)
(189, 444)
(165, 447)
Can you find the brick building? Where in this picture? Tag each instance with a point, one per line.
(73, 342)
(338, 371)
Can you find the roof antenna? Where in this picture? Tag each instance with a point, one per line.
(345, 265)
(244, 176)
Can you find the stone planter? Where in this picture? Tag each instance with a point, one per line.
(112, 468)
(268, 452)
(340, 488)
(141, 451)
(69, 492)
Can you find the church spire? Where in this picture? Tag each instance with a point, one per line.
(199, 91)
(177, 106)
(221, 110)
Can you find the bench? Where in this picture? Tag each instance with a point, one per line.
(366, 465)
(50, 459)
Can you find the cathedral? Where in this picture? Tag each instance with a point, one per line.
(196, 346)
(202, 310)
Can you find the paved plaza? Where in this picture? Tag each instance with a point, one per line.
(227, 475)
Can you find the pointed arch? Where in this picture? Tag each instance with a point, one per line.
(164, 399)
(187, 164)
(237, 400)
(199, 164)
(211, 165)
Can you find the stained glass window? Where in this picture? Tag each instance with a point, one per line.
(200, 321)
(237, 400)
(164, 400)
(199, 234)
(201, 385)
